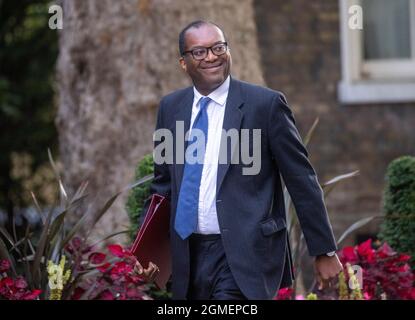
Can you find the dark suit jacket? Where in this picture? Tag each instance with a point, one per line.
(250, 208)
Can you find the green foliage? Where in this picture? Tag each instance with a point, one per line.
(135, 203)
(297, 240)
(139, 194)
(30, 255)
(398, 228)
(27, 58)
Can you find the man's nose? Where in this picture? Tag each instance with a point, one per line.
(210, 55)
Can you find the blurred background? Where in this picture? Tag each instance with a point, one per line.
(90, 92)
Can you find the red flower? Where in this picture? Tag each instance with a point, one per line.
(116, 250)
(20, 283)
(32, 295)
(76, 243)
(97, 257)
(349, 254)
(107, 295)
(120, 269)
(365, 251)
(104, 267)
(384, 271)
(284, 294)
(7, 281)
(385, 251)
(78, 292)
(4, 265)
(403, 258)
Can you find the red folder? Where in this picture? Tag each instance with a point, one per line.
(152, 242)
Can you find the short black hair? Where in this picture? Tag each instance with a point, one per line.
(194, 24)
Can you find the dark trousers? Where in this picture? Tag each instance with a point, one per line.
(210, 276)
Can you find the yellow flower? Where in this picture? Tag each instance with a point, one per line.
(356, 291)
(311, 296)
(343, 291)
(57, 278)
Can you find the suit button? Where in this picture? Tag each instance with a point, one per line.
(218, 200)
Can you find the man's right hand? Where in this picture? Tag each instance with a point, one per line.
(150, 273)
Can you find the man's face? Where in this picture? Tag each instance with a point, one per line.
(212, 71)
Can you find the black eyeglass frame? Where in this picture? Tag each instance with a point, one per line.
(207, 50)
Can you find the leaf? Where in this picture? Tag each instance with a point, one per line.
(28, 274)
(7, 235)
(358, 224)
(101, 212)
(57, 224)
(139, 182)
(86, 294)
(79, 193)
(63, 193)
(329, 185)
(37, 207)
(60, 219)
(110, 236)
(41, 248)
(310, 132)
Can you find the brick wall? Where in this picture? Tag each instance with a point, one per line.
(300, 51)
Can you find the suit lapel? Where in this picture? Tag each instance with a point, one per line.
(184, 114)
(232, 120)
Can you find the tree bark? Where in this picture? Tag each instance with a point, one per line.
(117, 59)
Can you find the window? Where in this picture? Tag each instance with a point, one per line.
(378, 61)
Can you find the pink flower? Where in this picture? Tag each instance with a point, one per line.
(367, 296)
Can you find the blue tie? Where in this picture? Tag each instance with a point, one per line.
(188, 202)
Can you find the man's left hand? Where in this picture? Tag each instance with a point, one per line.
(327, 268)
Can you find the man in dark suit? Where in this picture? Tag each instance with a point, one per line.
(228, 226)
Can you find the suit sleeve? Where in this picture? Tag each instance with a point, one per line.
(161, 182)
(300, 178)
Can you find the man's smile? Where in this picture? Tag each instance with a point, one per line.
(212, 68)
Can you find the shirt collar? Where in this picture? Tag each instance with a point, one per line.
(219, 95)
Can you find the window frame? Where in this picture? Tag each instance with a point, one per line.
(382, 80)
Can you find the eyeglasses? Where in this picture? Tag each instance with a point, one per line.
(200, 53)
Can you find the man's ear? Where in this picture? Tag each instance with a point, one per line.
(183, 64)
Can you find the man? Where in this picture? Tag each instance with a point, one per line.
(228, 229)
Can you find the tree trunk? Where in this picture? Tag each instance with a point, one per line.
(117, 59)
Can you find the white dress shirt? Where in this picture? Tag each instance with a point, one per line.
(207, 214)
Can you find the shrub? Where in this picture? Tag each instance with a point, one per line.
(398, 228)
(139, 194)
(135, 203)
(52, 264)
(386, 273)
